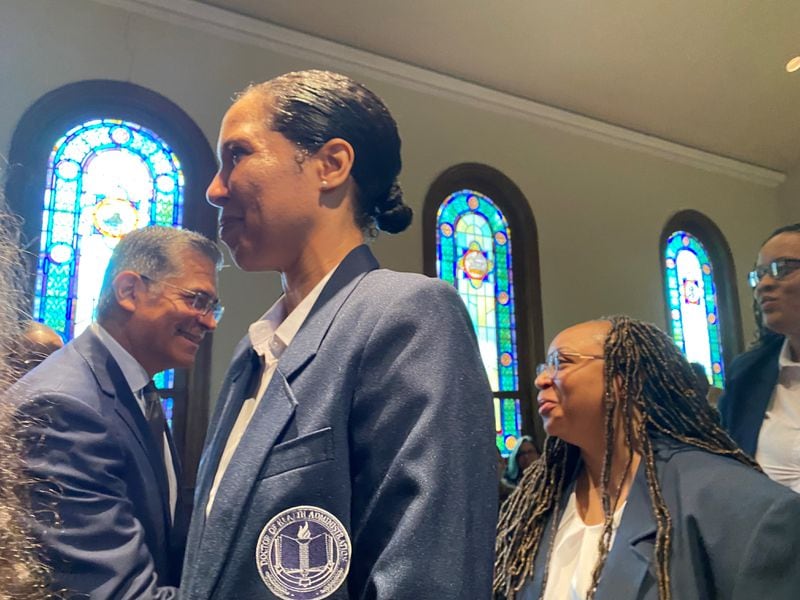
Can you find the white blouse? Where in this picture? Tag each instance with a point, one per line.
(575, 553)
(778, 449)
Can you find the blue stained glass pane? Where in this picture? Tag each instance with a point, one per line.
(474, 255)
(168, 405)
(165, 380)
(103, 178)
(692, 301)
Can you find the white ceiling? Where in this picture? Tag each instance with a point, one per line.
(708, 74)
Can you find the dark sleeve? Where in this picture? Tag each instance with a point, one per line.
(423, 458)
(770, 565)
(83, 516)
(724, 402)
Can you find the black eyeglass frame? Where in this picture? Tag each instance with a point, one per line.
(200, 301)
(777, 268)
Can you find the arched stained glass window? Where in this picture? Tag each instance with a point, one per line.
(693, 303)
(474, 254)
(88, 162)
(106, 177)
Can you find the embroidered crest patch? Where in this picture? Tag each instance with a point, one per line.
(303, 553)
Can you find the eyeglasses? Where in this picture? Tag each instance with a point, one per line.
(779, 269)
(199, 301)
(551, 366)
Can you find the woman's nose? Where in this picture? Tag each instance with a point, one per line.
(217, 191)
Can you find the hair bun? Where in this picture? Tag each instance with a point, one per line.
(391, 215)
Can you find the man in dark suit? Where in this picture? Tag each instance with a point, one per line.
(106, 500)
(351, 453)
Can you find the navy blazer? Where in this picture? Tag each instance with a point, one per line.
(380, 414)
(735, 533)
(751, 379)
(102, 501)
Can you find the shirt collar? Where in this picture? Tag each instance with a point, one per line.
(785, 359)
(273, 332)
(134, 373)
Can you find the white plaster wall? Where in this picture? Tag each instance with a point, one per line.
(599, 207)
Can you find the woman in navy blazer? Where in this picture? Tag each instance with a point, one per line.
(336, 488)
(752, 377)
(636, 458)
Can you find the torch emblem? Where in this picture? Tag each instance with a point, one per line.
(303, 553)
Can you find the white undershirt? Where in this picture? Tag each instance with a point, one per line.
(778, 449)
(575, 554)
(137, 378)
(270, 336)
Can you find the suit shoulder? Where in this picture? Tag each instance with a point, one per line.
(390, 285)
(66, 375)
(710, 479)
(755, 355)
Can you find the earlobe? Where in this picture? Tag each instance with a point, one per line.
(126, 290)
(335, 162)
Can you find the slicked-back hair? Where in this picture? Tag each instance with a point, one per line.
(155, 252)
(650, 389)
(309, 108)
(763, 334)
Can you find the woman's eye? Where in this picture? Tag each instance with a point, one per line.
(236, 155)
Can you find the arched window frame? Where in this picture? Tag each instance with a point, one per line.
(45, 122)
(528, 312)
(723, 271)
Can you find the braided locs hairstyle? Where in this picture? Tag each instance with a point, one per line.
(650, 389)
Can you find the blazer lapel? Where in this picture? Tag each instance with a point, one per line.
(755, 378)
(111, 380)
(341, 284)
(273, 413)
(130, 411)
(232, 395)
(631, 555)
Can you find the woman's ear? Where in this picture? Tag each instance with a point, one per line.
(335, 161)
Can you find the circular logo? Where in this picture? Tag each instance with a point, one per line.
(303, 553)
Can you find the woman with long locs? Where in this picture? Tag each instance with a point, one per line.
(639, 493)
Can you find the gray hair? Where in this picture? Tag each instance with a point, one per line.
(153, 251)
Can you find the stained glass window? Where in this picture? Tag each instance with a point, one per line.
(473, 244)
(105, 177)
(693, 304)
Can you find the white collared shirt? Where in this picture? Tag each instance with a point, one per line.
(137, 378)
(778, 449)
(270, 336)
(575, 554)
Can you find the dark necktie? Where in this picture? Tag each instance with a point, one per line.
(155, 416)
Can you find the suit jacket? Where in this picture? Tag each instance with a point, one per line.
(101, 502)
(750, 382)
(735, 533)
(379, 413)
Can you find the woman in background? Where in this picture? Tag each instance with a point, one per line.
(762, 392)
(639, 493)
(522, 456)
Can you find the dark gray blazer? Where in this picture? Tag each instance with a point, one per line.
(735, 534)
(380, 413)
(102, 501)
